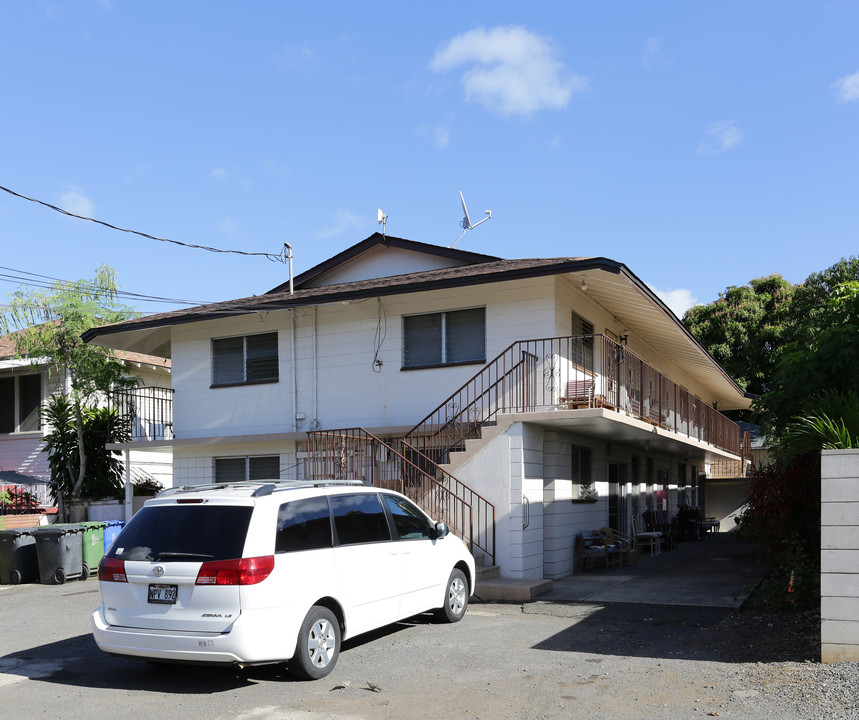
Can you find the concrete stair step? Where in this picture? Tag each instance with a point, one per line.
(487, 572)
(488, 432)
(510, 590)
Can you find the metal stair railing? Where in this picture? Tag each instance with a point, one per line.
(393, 464)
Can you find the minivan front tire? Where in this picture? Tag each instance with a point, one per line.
(455, 597)
(318, 645)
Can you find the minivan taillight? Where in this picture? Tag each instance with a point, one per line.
(241, 571)
(111, 570)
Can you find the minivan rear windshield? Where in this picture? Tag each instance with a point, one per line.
(184, 533)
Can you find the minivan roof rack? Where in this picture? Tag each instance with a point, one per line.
(261, 488)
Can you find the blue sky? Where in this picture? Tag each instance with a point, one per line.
(700, 143)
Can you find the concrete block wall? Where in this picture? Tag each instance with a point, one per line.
(839, 556)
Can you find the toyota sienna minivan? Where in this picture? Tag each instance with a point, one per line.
(277, 571)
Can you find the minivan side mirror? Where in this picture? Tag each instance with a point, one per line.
(441, 530)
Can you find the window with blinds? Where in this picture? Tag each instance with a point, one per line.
(448, 338)
(245, 360)
(240, 469)
(583, 345)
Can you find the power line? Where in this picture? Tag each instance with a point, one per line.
(46, 281)
(279, 257)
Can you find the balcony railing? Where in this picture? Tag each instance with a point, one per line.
(570, 373)
(355, 454)
(149, 409)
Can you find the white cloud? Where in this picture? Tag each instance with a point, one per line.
(653, 55)
(679, 301)
(218, 174)
(441, 136)
(138, 171)
(722, 136)
(229, 226)
(75, 201)
(342, 221)
(847, 88)
(293, 57)
(509, 70)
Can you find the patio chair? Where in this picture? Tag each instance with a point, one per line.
(625, 544)
(648, 539)
(593, 545)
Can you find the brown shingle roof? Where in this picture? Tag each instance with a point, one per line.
(485, 272)
(8, 343)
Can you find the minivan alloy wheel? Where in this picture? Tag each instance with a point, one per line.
(318, 644)
(456, 597)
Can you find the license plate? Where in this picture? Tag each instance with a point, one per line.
(163, 594)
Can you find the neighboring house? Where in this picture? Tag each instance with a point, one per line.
(726, 486)
(559, 394)
(25, 386)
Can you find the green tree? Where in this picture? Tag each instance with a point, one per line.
(104, 476)
(817, 370)
(745, 329)
(810, 304)
(48, 324)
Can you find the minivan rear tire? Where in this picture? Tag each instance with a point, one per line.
(318, 645)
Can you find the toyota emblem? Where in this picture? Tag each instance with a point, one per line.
(158, 570)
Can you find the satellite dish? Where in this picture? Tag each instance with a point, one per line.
(466, 220)
(383, 219)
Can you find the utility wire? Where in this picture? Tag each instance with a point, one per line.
(280, 257)
(46, 281)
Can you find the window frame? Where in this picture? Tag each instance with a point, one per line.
(444, 340)
(247, 463)
(17, 397)
(581, 459)
(246, 360)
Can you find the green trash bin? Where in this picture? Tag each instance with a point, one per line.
(59, 552)
(92, 541)
(18, 561)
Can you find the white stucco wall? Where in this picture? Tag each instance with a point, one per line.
(839, 556)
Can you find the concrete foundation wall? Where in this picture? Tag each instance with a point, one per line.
(839, 556)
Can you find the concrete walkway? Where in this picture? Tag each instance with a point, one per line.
(717, 571)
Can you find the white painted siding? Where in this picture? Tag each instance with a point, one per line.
(380, 262)
(343, 390)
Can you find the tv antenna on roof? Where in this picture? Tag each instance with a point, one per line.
(465, 224)
(382, 219)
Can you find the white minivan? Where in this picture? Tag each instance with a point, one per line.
(278, 571)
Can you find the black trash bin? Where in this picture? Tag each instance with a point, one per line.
(60, 554)
(18, 562)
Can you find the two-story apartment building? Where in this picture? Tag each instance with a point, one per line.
(523, 400)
